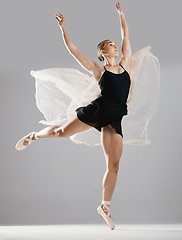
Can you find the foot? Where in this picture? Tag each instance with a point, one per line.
(25, 141)
(104, 212)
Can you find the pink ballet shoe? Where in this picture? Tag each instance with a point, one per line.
(106, 217)
(19, 146)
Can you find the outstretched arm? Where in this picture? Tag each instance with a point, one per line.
(85, 62)
(126, 46)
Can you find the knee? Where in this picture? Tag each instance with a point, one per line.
(114, 167)
(57, 131)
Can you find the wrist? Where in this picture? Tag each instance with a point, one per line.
(62, 28)
(121, 14)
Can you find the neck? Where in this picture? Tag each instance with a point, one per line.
(110, 62)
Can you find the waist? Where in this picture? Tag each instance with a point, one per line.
(117, 95)
(113, 101)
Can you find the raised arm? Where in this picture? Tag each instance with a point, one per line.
(126, 59)
(84, 61)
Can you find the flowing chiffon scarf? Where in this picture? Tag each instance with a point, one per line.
(59, 91)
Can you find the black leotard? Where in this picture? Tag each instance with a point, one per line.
(111, 106)
(115, 86)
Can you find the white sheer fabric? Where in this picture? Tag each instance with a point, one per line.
(59, 91)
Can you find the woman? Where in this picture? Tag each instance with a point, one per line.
(103, 113)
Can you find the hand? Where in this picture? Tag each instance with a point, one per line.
(118, 8)
(60, 20)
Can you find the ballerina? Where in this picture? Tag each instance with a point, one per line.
(106, 111)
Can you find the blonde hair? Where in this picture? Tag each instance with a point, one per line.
(101, 46)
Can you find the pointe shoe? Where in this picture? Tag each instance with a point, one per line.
(19, 146)
(106, 217)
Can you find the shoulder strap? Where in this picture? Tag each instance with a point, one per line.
(105, 68)
(122, 66)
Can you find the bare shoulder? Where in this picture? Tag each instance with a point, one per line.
(126, 63)
(97, 71)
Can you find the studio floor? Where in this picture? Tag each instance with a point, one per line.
(94, 232)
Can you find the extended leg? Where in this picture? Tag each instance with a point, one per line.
(66, 130)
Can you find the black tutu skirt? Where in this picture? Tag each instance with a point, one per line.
(102, 112)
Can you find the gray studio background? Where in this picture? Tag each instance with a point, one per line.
(55, 181)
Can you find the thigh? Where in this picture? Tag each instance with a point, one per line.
(73, 127)
(112, 144)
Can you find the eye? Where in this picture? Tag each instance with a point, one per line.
(112, 44)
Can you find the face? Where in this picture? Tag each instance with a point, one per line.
(110, 49)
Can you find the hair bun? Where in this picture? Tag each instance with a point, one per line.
(101, 58)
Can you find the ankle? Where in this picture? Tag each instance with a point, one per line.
(35, 137)
(105, 202)
(106, 205)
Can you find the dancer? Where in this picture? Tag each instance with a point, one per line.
(103, 113)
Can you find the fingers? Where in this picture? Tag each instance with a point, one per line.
(59, 20)
(59, 17)
(118, 7)
(118, 4)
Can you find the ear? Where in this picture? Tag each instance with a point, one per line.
(102, 51)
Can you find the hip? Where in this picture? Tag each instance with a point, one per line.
(110, 108)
